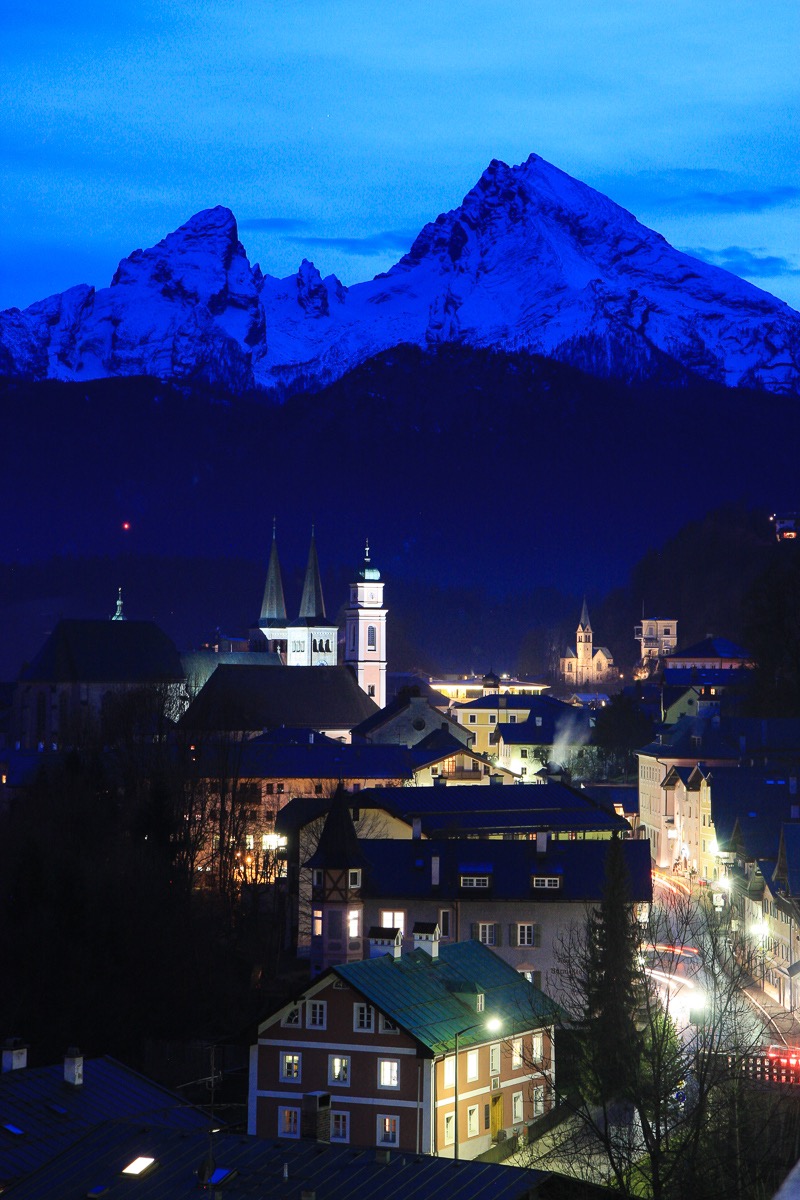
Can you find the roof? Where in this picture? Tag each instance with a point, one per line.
(472, 811)
(333, 1172)
(338, 846)
(79, 651)
(307, 754)
(511, 700)
(421, 994)
(200, 665)
(712, 647)
(53, 1115)
(273, 605)
(584, 621)
(312, 604)
(748, 808)
(257, 698)
(549, 721)
(394, 868)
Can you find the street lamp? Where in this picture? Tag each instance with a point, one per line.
(491, 1025)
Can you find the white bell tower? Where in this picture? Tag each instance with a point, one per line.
(365, 632)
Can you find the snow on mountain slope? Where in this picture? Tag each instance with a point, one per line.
(532, 260)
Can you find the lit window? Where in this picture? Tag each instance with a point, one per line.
(538, 1101)
(289, 1122)
(354, 923)
(449, 1072)
(516, 1053)
(388, 1131)
(316, 923)
(340, 1127)
(291, 1063)
(339, 1069)
(388, 1073)
(472, 1120)
(472, 1066)
(494, 1060)
(516, 1107)
(393, 919)
(537, 1047)
(362, 1018)
(139, 1165)
(317, 1014)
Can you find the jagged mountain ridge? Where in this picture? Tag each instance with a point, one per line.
(533, 260)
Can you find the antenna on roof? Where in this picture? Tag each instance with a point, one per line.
(119, 615)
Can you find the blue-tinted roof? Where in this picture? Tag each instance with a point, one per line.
(333, 1172)
(53, 1115)
(753, 804)
(403, 868)
(421, 994)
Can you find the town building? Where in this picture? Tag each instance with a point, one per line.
(657, 637)
(365, 632)
(584, 663)
(441, 1049)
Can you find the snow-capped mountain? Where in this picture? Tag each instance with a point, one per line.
(532, 260)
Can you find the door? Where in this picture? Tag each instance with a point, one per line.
(496, 1116)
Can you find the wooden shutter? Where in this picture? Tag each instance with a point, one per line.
(512, 934)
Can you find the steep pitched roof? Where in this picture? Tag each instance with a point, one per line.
(338, 846)
(425, 995)
(584, 622)
(85, 651)
(257, 698)
(273, 605)
(312, 604)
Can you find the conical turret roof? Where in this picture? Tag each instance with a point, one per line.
(338, 846)
(585, 623)
(312, 605)
(273, 606)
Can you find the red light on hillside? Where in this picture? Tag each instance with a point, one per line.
(126, 525)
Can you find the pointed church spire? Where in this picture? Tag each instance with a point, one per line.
(273, 606)
(585, 623)
(312, 605)
(119, 615)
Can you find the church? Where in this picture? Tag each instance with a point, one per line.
(585, 663)
(311, 639)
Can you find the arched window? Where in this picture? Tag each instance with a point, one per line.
(314, 646)
(372, 637)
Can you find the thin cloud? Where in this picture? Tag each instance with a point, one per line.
(741, 261)
(376, 243)
(749, 200)
(274, 224)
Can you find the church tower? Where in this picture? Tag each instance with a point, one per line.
(272, 622)
(583, 647)
(312, 640)
(365, 632)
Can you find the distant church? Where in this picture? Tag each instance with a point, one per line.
(312, 640)
(584, 663)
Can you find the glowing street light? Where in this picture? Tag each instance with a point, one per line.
(491, 1025)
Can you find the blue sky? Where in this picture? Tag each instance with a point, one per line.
(335, 129)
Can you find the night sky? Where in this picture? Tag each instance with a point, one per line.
(335, 129)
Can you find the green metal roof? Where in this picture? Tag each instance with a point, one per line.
(431, 997)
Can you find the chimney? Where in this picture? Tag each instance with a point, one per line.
(434, 870)
(416, 827)
(15, 1055)
(73, 1067)
(541, 843)
(385, 941)
(315, 1116)
(426, 937)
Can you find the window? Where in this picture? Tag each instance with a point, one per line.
(512, 720)
(316, 923)
(546, 881)
(449, 1072)
(538, 722)
(526, 935)
(388, 1073)
(494, 1060)
(372, 637)
(516, 1107)
(473, 718)
(523, 753)
(487, 933)
(354, 923)
(474, 881)
(339, 1069)
(449, 1128)
(480, 999)
(538, 1101)
(362, 1018)
(393, 919)
(444, 922)
(472, 1066)
(340, 1127)
(289, 1122)
(537, 1044)
(354, 877)
(291, 1066)
(352, 637)
(317, 1014)
(472, 1120)
(516, 1053)
(387, 1026)
(388, 1130)
(292, 1018)
(370, 689)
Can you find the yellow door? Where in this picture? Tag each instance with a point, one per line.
(497, 1116)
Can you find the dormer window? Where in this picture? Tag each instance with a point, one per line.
(474, 881)
(479, 1002)
(354, 877)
